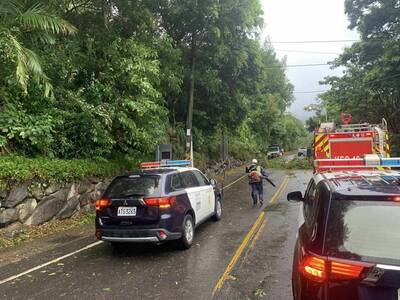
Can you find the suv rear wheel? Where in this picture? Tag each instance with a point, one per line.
(187, 238)
(218, 210)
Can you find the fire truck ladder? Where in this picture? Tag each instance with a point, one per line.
(362, 127)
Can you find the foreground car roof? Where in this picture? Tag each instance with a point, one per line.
(359, 183)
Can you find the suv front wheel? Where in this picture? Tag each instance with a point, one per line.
(187, 238)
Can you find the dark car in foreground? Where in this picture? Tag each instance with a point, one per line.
(157, 205)
(348, 245)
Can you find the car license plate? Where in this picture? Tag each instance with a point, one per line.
(126, 211)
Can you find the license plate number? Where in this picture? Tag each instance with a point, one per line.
(127, 211)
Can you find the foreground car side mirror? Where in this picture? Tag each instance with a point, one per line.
(295, 196)
(213, 182)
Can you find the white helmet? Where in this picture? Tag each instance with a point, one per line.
(254, 161)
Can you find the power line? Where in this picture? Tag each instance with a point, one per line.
(371, 81)
(312, 42)
(308, 52)
(307, 65)
(310, 92)
(297, 66)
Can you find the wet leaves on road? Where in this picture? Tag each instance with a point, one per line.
(259, 293)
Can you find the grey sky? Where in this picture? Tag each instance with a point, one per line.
(306, 20)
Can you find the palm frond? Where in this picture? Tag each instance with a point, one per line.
(28, 66)
(43, 37)
(10, 7)
(37, 17)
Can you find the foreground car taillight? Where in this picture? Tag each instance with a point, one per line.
(102, 203)
(161, 202)
(348, 270)
(319, 268)
(314, 268)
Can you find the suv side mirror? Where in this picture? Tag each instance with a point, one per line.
(213, 182)
(295, 196)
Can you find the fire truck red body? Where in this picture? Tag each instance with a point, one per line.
(349, 141)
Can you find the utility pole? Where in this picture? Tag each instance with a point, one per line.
(189, 121)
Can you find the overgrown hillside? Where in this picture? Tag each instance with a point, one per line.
(85, 79)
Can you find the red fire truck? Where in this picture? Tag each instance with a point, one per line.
(350, 141)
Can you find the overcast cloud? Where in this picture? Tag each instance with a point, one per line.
(306, 20)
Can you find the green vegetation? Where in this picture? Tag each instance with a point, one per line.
(18, 169)
(370, 86)
(282, 164)
(87, 81)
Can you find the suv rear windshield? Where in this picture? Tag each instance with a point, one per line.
(134, 185)
(364, 230)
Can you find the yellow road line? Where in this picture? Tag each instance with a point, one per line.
(246, 240)
(257, 235)
(281, 188)
(253, 242)
(237, 254)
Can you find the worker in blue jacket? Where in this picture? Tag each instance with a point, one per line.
(256, 176)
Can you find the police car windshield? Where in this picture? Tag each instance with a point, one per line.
(135, 185)
(364, 230)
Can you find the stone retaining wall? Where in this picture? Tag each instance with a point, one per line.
(33, 204)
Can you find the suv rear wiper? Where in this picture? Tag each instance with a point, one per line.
(130, 195)
(134, 195)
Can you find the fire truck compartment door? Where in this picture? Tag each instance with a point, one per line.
(350, 148)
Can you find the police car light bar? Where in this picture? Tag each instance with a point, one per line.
(369, 161)
(165, 163)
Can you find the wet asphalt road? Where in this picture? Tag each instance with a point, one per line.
(261, 270)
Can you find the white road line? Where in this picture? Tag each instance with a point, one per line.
(232, 183)
(75, 252)
(50, 262)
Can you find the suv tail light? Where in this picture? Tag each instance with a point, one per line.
(102, 203)
(162, 202)
(319, 269)
(314, 268)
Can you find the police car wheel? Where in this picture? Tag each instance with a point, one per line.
(218, 210)
(187, 238)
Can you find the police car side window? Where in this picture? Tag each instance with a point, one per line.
(189, 180)
(176, 182)
(201, 178)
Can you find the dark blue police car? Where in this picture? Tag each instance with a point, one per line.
(348, 244)
(160, 202)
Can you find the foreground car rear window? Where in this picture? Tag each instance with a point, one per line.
(364, 230)
(134, 185)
